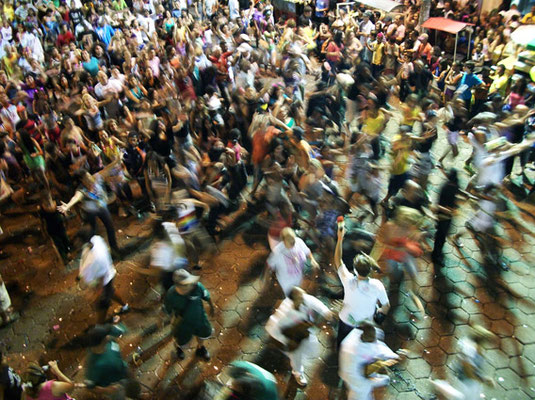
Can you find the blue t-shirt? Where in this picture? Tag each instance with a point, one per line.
(470, 80)
(322, 6)
(91, 66)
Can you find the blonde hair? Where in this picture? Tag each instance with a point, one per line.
(287, 233)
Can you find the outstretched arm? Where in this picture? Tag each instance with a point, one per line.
(338, 249)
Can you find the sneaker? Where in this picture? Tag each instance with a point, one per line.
(202, 352)
(124, 309)
(300, 379)
(180, 353)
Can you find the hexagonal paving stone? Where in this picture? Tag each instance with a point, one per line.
(435, 356)
(229, 318)
(482, 296)
(428, 294)
(516, 317)
(497, 358)
(456, 274)
(493, 311)
(517, 394)
(512, 347)
(448, 344)
(451, 300)
(419, 368)
(246, 293)
(512, 255)
(428, 337)
(502, 328)
(415, 349)
(442, 327)
(471, 305)
(529, 352)
(526, 307)
(458, 316)
(507, 378)
(525, 334)
(522, 366)
(465, 289)
(529, 389)
(519, 290)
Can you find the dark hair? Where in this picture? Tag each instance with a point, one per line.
(98, 334)
(33, 378)
(247, 384)
(80, 174)
(363, 264)
(235, 134)
(298, 132)
(453, 176)
(26, 140)
(50, 147)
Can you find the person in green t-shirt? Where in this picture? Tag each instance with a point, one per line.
(106, 373)
(249, 382)
(184, 303)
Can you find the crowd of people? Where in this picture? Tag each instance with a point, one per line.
(191, 114)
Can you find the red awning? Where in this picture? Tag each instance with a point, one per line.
(445, 24)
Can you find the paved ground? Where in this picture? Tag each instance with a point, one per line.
(54, 313)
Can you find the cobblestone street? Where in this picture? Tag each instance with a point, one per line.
(54, 313)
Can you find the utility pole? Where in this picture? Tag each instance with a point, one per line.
(425, 10)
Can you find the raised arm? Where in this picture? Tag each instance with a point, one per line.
(338, 249)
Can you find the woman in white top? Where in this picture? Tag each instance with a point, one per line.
(288, 260)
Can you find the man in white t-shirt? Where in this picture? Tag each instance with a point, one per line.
(363, 296)
(168, 252)
(362, 362)
(298, 310)
(288, 259)
(97, 273)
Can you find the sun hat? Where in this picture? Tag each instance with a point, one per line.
(183, 277)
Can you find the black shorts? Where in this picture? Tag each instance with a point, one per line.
(397, 182)
(104, 301)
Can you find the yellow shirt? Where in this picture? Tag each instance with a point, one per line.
(499, 84)
(529, 18)
(9, 12)
(9, 63)
(378, 53)
(374, 126)
(413, 112)
(400, 155)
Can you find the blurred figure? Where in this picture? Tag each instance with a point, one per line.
(470, 368)
(183, 303)
(98, 273)
(10, 382)
(288, 259)
(291, 326)
(363, 362)
(38, 387)
(365, 298)
(106, 373)
(249, 382)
